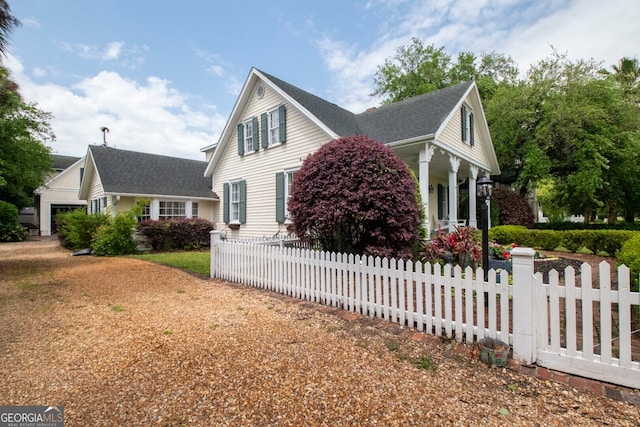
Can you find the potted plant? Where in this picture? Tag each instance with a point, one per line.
(494, 352)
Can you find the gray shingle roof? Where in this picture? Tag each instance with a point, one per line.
(338, 119)
(418, 116)
(414, 117)
(131, 172)
(60, 163)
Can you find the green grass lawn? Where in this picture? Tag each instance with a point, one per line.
(197, 262)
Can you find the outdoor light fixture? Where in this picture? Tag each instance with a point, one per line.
(484, 187)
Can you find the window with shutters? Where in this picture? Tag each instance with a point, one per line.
(234, 198)
(249, 134)
(284, 184)
(273, 127)
(194, 210)
(467, 129)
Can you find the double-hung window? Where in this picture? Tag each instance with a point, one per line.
(274, 127)
(284, 184)
(467, 128)
(234, 202)
(170, 209)
(249, 134)
(194, 210)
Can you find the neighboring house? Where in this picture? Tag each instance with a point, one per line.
(113, 179)
(58, 194)
(442, 136)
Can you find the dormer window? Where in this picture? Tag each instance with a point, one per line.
(467, 128)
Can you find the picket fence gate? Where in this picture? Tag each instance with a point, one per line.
(554, 326)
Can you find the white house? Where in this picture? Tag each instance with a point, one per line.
(176, 187)
(59, 193)
(442, 136)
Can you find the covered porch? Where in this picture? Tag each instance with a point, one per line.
(447, 183)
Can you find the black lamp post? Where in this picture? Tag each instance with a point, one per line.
(484, 187)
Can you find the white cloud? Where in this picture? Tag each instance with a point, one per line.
(30, 23)
(116, 52)
(523, 29)
(147, 116)
(216, 66)
(112, 51)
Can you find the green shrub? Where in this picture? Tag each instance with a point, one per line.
(587, 241)
(10, 230)
(629, 255)
(116, 238)
(76, 229)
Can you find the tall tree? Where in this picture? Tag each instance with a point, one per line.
(8, 23)
(419, 68)
(25, 160)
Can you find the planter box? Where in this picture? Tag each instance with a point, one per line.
(500, 264)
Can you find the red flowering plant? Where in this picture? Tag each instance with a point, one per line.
(497, 251)
(461, 247)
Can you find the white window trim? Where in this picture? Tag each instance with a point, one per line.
(232, 185)
(248, 124)
(288, 173)
(467, 123)
(172, 215)
(274, 112)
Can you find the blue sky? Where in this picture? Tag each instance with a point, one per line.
(163, 76)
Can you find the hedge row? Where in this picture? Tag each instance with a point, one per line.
(183, 233)
(597, 241)
(629, 255)
(568, 225)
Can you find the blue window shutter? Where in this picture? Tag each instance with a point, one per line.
(280, 197)
(256, 143)
(241, 139)
(264, 130)
(463, 121)
(243, 201)
(81, 174)
(225, 203)
(442, 201)
(471, 130)
(282, 117)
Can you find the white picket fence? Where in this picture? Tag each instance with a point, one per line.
(459, 304)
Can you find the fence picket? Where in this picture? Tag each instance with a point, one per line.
(432, 299)
(570, 311)
(605, 313)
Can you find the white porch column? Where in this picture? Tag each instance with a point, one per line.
(454, 162)
(473, 176)
(424, 157)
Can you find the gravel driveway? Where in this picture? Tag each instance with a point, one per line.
(120, 341)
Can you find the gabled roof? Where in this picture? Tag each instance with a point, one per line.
(131, 172)
(421, 115)
(61, 163)
(341, 121)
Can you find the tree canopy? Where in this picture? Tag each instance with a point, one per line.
(25, 160)
(355, 195)
(568, 123)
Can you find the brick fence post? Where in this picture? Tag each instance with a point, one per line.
(215, 253)
(524, 322)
